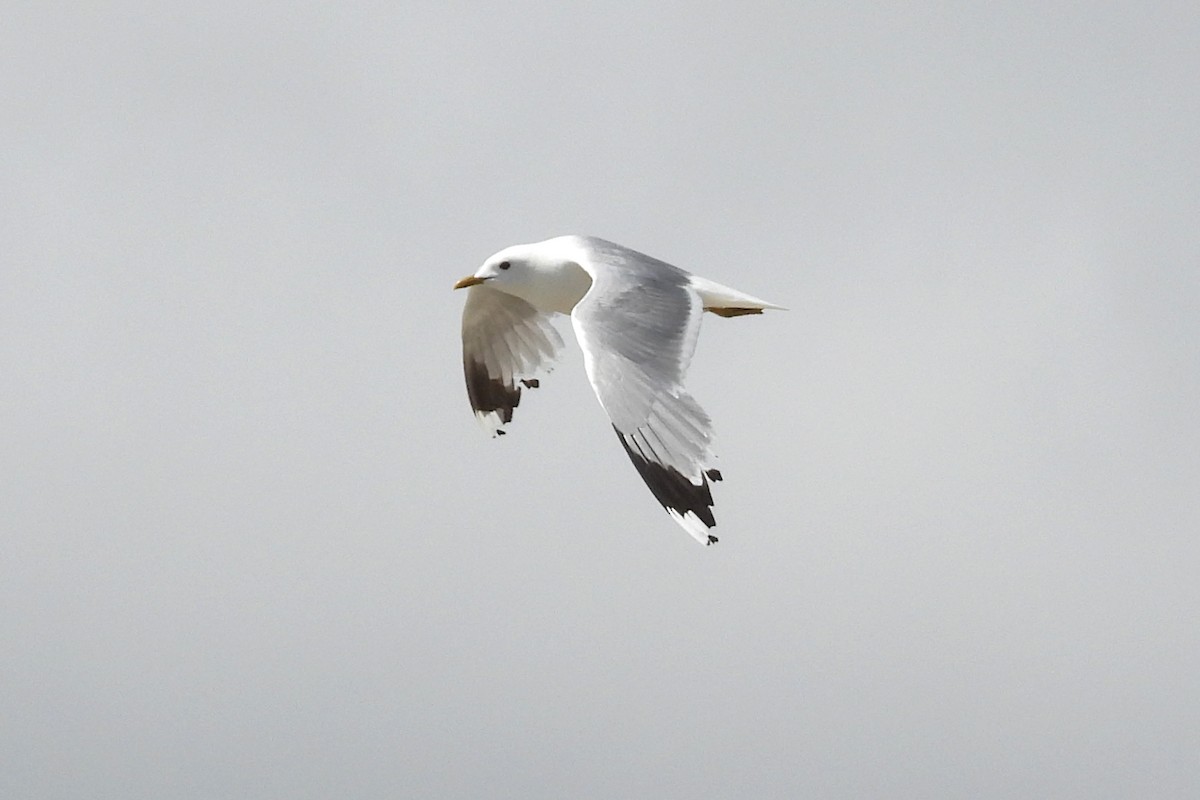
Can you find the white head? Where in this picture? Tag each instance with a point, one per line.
(547, 275)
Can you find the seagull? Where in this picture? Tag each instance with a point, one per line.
(636, 319)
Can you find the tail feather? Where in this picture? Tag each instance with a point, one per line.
(727, 302)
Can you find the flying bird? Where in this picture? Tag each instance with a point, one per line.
(636, 319)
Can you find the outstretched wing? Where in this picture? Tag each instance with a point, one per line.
(506, 343)
(637, 326)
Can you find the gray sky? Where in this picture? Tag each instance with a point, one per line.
(254, 544)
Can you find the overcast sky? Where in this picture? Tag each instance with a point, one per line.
(254, 545)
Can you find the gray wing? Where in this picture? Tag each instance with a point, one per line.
(637, 327)
(506, 342)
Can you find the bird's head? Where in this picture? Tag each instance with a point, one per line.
(509, 269)
(547, 275)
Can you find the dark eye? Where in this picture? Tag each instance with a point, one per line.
(505, 265)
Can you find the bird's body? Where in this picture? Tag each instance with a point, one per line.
(636, 319)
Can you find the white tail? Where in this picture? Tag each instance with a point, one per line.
(726, 302)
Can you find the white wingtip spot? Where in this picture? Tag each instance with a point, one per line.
(693, 525)
(491, 422)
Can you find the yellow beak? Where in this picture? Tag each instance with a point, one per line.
(470, 280)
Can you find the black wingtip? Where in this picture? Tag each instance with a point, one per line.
(674, 491)
(488, 394)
